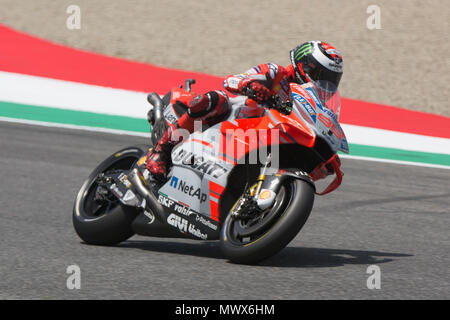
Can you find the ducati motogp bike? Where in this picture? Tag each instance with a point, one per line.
(244, 181)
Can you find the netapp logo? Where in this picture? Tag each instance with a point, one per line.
(187, 189)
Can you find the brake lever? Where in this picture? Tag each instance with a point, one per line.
(250, 93)
(284, 107)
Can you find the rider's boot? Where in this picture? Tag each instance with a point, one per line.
(159, 156)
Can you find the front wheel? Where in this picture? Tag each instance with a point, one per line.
(252, 240)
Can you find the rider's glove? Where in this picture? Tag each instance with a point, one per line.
(260, 93)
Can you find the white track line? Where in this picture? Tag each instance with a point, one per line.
(396, 140)
(417, 164)
(45, 92)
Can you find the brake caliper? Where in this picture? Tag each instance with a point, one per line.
(245, 208)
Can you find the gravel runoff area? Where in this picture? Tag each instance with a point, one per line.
(405, 63)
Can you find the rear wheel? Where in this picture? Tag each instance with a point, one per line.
(251, 240)
(105, 221)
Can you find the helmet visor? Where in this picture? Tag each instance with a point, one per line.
(323, 74)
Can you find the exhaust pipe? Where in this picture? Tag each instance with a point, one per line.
(156, 117)
(155, 100)
(151, 202)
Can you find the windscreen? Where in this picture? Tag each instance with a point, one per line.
(328, 95)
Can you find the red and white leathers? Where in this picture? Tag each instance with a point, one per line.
(209, 108)
(273, 77)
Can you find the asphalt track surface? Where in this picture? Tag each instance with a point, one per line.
(393, 216)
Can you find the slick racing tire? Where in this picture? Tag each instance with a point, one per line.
(110, 222)
(286, 218)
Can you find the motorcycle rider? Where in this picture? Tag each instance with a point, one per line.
(310, 62)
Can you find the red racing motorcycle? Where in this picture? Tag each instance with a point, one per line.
(244, 181)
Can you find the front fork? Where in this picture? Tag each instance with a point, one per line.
(261, 196)
(249, 203)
